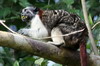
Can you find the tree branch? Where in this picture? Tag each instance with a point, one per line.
(97, 23)
(38, 48)
(88, 27)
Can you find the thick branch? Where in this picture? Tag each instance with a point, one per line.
(48, 51)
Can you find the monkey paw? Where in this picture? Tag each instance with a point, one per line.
(23, 31)
(56, 44)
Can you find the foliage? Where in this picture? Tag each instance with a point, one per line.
(10, 11)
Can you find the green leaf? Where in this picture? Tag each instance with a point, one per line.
(90, 20)
(1, 60)
(68, 2)
(39, 61)
(24, 3)
(16, 63)
(4, 12)
(1, 2)
(1, 50)
(57, 64)
(88, 6)
(29, 58)
(14, 1)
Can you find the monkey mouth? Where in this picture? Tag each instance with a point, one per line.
(24, 18)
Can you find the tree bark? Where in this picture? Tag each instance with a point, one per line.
(45, 50)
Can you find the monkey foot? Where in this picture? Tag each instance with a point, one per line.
(56, 44)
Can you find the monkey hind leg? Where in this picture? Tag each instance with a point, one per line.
(56, 37)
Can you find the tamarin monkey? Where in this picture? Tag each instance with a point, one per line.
(45, 23)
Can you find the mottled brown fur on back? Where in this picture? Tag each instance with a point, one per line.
(67, 23)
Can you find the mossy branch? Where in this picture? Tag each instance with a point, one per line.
(45, 50)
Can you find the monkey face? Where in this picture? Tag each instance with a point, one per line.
(28, 13)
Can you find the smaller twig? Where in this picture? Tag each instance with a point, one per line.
(95, 25)
(88, 27)
(2, 22)
(48, 3)
(74, 32)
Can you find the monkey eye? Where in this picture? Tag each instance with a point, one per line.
(27, 12)
(25, 9)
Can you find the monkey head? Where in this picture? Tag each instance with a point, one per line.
(28, 13)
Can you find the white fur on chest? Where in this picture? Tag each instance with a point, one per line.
(38, 28)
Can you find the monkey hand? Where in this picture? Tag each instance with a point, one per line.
(24, 31)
